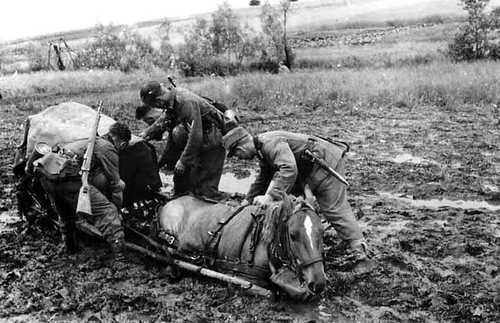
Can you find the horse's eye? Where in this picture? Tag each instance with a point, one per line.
(294, 236)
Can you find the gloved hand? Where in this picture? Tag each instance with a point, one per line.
(262, 200)
(144, 136)
(117, 199)
(179, 167)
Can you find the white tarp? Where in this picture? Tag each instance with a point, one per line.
(65, 122)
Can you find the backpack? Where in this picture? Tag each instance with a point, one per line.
(56, 166)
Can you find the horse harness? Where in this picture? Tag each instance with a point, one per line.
(245, 268)
(281, 242)
(279, 249)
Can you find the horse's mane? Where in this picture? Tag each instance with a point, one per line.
(276, 213)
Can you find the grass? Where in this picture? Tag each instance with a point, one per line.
(438, 83)
(443, 84)
(72, 82)
(378, 55)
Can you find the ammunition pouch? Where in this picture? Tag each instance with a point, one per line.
(305, 164)
(341, 144)
(54, 166)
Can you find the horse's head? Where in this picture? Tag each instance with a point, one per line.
(305, 233)
(298, 247)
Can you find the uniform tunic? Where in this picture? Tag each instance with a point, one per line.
(282, 165)
(104, 180)
(139, 171)
(203, 153)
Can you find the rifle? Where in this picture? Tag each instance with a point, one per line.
(325, 166)
(83, 206)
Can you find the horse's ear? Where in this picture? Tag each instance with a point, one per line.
(298, 203)
(309, 196)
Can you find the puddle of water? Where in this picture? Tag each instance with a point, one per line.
(409, 158)
(490, 187)
(228, 182)
(8, 218)
(440, 223)
(437, 203)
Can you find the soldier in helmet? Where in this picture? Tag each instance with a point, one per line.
(197, 128)
(285, 162)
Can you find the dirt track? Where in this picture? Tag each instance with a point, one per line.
(432, 264)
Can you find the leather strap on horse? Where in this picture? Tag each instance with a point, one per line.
(280, 251)
(213, 243)
(252, 272)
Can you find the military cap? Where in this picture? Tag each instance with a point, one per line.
(121, 130)
(233, 137)
(150, 91)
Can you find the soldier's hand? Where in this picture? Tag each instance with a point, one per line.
(245, 202)
(144, 136)
(117, 199)
(179, 167)
(262, 200)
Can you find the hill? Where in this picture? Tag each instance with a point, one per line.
(306, 16)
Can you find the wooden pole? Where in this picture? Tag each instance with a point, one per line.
(244, 284)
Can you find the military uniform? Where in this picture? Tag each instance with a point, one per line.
(203, 153)
(283, 164)
(139, 171)
(106, 191)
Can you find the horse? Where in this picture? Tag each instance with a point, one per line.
(261, 244)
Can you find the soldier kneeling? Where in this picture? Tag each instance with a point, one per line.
(58, 171)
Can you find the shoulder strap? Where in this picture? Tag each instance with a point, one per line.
(258, 146)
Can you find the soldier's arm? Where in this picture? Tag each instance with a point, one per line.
(261, 183)
(156, 130)
(170, 155)
(286, 173)
(191, 109)
(109, 159)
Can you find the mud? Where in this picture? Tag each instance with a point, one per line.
(432, 262)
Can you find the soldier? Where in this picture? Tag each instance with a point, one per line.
(201, 153)
(285, 161)
(139, 171)
(106, 188)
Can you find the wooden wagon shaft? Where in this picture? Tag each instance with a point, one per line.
(254, 289)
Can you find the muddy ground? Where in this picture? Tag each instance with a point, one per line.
(432, 263)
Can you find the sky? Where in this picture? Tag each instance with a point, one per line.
(24, 18)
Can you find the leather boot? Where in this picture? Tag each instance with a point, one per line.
(118, 255)
(358, 250)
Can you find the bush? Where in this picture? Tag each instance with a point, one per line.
(105, 51)
(37, 57)
(473, 39)
(219, 46)
(122, 49)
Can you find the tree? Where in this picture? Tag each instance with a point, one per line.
(472, 40)
(254, 3)
(225, 30)
(266, 17)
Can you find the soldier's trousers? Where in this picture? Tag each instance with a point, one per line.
(331, 195)
(105, 216)
(209, 171)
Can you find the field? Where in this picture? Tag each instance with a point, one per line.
(424, 170)
(418, 135)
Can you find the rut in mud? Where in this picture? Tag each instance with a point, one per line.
(433, 262)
